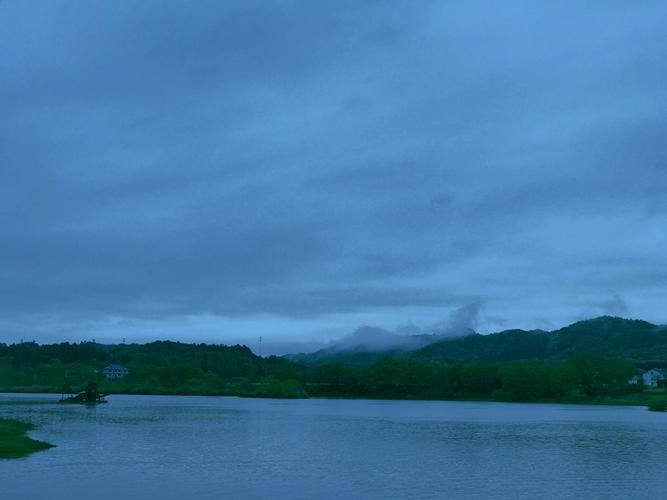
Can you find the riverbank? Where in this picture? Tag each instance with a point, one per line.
(276, 389)
(14, 443)
(293, 390)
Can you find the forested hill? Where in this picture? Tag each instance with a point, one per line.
(588, 359)
(161, 367)
(634, 340)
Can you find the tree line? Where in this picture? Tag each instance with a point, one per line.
(574, 380)
(180, 368)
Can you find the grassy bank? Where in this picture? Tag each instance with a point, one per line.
(294, 390)
(14, 443)
(281, 389)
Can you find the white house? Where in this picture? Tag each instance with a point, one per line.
(115, 371)
(651, 377)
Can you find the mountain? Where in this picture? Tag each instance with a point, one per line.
(635, 340)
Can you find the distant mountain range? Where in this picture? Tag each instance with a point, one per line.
(635, 340)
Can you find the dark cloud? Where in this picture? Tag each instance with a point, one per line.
(208, 170)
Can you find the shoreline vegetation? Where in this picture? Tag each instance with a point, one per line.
(587, 380)
(14, 442)
(598, 361)
(579, 380)
(648, 397)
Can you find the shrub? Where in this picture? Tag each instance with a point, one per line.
(658, 404)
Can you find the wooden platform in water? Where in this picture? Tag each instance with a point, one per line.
(89, 396)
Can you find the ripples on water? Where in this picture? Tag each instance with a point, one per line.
(168, 447)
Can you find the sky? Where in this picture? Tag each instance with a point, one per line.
(216, 171)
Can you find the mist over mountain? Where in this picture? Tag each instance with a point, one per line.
(368, 343)
(365, 345)
(635, 340)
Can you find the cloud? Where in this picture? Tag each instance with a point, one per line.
(614, 306)
(324, 166)
(463, 319)
(375, 339)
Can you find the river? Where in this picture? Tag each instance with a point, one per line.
(173, 447)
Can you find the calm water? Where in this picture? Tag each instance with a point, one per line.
(163, 447)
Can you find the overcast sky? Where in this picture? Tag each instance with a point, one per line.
(216, 171)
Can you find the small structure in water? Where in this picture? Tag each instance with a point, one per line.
(90, 395)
